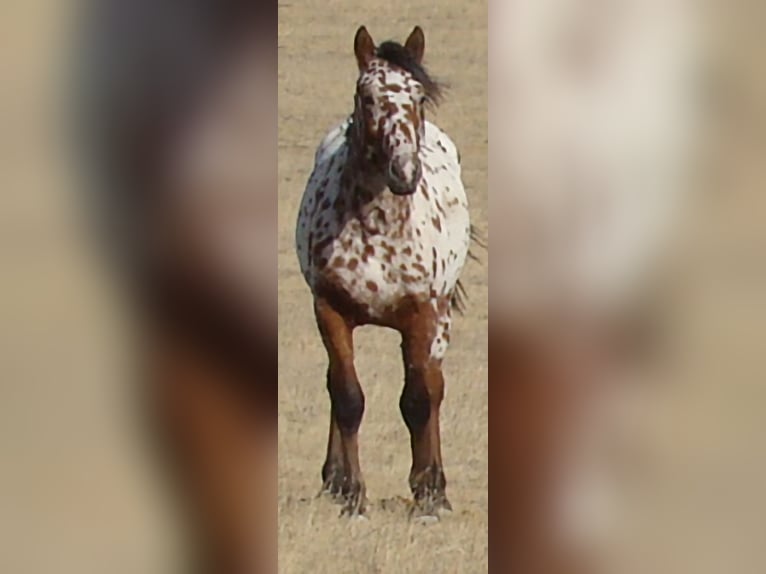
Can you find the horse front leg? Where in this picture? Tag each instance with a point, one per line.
(334, 468)
(420, 403)
(341, 471)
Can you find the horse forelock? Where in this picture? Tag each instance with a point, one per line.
(388, 114)
(399, 57)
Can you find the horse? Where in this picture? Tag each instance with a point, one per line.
(382, 235)
(164, 88)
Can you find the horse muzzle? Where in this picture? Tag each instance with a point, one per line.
(404, 177)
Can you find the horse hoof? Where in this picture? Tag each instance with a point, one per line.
(354, 504)
(352, 513)
(430, 509)
(425, 519)
(330, 494)
(444, 508)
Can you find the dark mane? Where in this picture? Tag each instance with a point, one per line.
(396, 54)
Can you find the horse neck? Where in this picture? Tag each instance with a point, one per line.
(363, 187)
(360, 171)
(361, 184)
(362, 179)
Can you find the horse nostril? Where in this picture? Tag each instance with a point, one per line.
(392, 171)
(404, 176)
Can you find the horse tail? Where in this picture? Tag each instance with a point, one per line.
(459, 296)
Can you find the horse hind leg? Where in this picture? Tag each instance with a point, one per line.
(341, 473)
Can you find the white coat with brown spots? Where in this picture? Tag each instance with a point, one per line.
(390, 247)
(382, 236)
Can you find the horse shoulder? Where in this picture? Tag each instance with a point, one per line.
(441, 143)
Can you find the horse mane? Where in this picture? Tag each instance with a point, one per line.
(396, 54)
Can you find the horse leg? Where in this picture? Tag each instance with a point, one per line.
(347, 400)
(419, 404)
(333, 470)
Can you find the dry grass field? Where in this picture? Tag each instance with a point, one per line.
(317, 72)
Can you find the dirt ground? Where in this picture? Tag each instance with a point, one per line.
(316, 74)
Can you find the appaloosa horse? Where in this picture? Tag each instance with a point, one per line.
(382, 236)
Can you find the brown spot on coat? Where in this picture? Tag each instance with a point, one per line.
(419, 267)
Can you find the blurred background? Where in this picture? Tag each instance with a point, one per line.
(627, 181)
(77, 494)
(138, 366)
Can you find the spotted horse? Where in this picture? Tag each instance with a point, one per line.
(382, 236)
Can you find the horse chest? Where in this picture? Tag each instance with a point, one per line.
(380, 250)
(382, 253)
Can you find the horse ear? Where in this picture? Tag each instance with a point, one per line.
(416, 44)
(364, 47)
